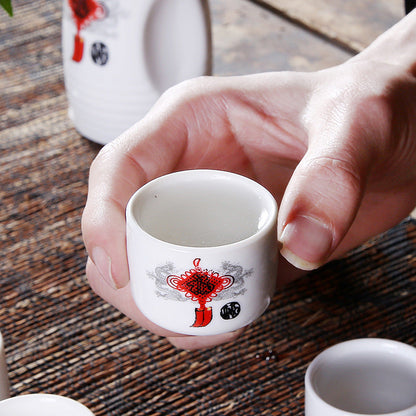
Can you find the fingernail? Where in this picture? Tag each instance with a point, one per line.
(103, 263)
(306, 242)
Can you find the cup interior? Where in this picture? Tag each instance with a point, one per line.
(203, 208)
(372, 381)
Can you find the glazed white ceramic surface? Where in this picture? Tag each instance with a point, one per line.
(206, 223)
(132, 53)
(362, 377)
(42, 405)
(4, 379)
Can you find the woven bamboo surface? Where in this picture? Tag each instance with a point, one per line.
(61, 338)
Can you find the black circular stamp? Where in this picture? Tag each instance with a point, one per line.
(99, 53)
(230, 310)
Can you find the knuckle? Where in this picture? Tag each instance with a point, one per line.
(340, 171)
(184, 91)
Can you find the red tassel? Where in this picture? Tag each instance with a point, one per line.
(78, 48)
(202, 316)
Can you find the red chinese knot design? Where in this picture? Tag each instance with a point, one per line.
(83, 12)
(200, 285)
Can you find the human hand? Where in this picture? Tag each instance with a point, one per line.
(336, 148)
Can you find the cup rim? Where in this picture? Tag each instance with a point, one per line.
(352, 346)
(31, 397)
(266, 195)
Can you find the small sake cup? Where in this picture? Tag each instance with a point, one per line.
(202, 251)
(4, 379)
(42, 405)
(362, 377)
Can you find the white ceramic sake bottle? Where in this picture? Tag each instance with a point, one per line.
(119, 56)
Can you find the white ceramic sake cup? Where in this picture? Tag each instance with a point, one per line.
(362, 377)
(42, 405)
(4, 379)
(202, 251)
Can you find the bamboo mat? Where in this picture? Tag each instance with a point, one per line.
(61, 338)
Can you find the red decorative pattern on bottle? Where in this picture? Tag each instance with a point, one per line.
(83, 13)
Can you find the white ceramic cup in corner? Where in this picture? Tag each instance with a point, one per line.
(42, 405)
(370, 376)
(202, 250)
(4, 379)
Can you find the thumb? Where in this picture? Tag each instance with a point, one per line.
(322, 199)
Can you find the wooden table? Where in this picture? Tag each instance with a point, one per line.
(61, 338)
